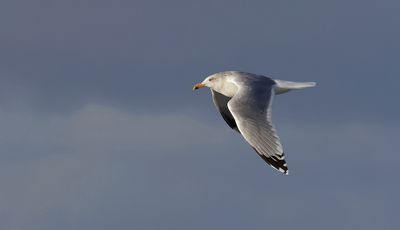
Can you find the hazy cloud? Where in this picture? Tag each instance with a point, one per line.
(101, 166)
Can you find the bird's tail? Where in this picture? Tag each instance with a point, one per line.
(285, 86)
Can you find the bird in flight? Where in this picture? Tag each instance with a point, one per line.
(244, 101)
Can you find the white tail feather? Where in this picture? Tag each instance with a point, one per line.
(285, 86)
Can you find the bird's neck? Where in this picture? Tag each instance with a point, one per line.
(226, 88)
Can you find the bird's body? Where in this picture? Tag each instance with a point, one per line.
(244, 101)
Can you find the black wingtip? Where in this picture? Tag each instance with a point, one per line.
(276, 163)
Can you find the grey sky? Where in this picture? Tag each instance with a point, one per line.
(99, 127)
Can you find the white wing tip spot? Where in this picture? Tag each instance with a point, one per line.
(283, 171)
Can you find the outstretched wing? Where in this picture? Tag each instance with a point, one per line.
(221, 102)
(251, 109)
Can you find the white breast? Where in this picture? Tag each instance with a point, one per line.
(226, 88)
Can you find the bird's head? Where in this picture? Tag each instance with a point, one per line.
(212, 82)
(220, 82)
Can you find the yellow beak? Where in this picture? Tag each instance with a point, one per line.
(198, 86)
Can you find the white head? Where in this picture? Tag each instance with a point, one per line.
(219, 82)
(211, 81)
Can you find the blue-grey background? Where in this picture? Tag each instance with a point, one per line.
(99, 127)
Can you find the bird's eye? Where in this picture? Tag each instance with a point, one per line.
(210, 79)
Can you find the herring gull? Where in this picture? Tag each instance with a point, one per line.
(244, 101)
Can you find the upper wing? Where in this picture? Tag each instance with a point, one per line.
(251, 109)
(221, 102)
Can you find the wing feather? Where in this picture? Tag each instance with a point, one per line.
(251, 110)
(221, 103)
